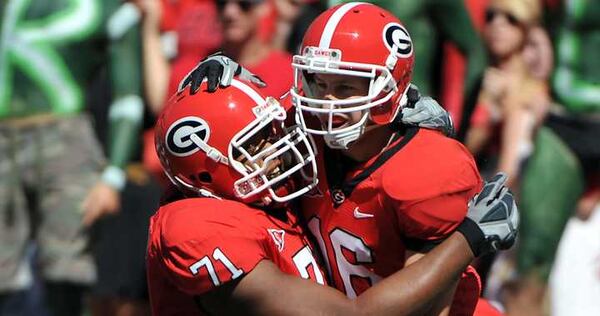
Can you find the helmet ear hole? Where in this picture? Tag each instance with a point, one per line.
(204, 177)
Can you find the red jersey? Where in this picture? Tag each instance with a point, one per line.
(412, 195)
(196, 245)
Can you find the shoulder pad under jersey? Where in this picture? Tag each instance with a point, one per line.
(429, 165)
(200, 218)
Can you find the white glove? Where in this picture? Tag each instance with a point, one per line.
(492, 221)
(426, 112)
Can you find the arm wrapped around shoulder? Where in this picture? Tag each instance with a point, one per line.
(492, 221)
(426, 112)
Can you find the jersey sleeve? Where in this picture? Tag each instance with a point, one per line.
(200, 256)
(430, 191)
(434, 218)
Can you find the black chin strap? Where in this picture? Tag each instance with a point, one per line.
(337, 165)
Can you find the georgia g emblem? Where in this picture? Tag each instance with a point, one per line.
(178, 138)
(397, 40)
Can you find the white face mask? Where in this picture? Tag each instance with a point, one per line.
(382, 87)
(294, 150)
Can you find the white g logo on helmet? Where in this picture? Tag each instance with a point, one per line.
(178, 139)
(397, 40)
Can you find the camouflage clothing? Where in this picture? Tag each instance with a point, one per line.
(42, 188)
(51, 55)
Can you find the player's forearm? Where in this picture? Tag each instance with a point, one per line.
(268, 291)
(411, 290)
(156, 67)
(440, 305)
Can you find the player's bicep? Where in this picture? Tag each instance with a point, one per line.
(267, 291)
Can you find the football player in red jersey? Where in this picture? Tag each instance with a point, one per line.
(215, 254)
(399, 190)
(386, 196)
(389, 192)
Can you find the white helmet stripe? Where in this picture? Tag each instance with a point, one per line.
(249, 91)
(333, 21)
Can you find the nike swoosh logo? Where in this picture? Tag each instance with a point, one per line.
(359, 215)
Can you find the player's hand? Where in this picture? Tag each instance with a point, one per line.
(219, 70)
(492, 220)
(102, 200)
(426, 112)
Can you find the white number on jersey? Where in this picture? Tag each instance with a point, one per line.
(341, 239)
(207, 263)
(303, 259)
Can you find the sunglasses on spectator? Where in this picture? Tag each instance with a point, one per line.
(491, 14)
(245, 5)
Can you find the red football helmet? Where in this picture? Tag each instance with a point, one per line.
(353, 39)
(233, 144)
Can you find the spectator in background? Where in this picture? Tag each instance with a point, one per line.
(515, 100)
(242, 42)
(538, 54)
(454, 67)
(505, 129)
(577, 88)
(52, 187)
(243, 34)
(293, 18)
(119, 242)
(288, 12)
(175, 35)
(566, 159)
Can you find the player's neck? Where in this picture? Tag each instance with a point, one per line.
(371, 143)
(513, 63)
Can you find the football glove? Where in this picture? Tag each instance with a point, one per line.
(219, 70)
(492, 220)
(426, 112)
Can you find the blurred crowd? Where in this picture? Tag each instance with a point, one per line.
(82, 81)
